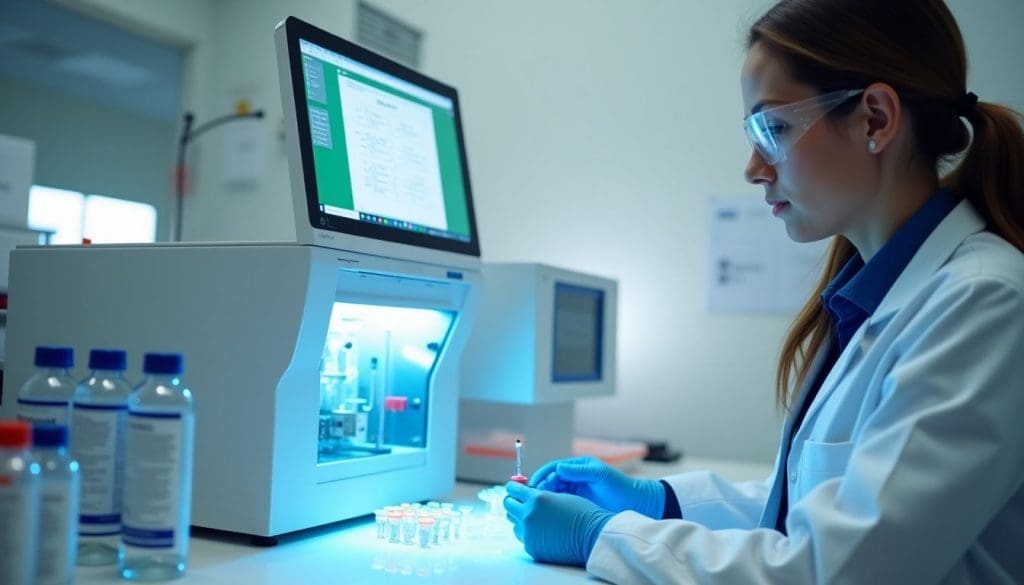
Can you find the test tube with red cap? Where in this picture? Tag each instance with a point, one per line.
(519, 477)
(393, 405)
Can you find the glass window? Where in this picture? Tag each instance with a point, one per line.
(115, 221)
(56, 210)
(103, 220)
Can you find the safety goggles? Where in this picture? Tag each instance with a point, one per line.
(774, 131)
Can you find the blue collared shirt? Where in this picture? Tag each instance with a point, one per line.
(854, 294)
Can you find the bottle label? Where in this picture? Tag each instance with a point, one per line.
(98, 446)
(56, 532)
(44, 411)
(157, 479)
(18, 522)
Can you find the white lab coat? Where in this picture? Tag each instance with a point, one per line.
(909, 465)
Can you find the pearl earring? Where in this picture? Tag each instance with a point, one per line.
(872, 145)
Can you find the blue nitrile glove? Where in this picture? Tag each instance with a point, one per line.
(554, 528)
(592, 479)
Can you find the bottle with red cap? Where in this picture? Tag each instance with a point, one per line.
(46, 396)
(19, 504)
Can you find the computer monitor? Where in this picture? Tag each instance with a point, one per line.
(379, 161)
(578, 333)
(543, 335)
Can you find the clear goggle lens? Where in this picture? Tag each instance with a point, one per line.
(774, 131)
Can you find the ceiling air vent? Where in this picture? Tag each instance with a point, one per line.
(381, 32)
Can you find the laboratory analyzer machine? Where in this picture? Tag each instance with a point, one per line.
(324, 370)
(544, 338)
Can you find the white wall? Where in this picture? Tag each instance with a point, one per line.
(191, 25)
(84, 146)
(596, 131)
(592, 147)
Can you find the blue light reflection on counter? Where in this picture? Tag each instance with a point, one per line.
(485, 550)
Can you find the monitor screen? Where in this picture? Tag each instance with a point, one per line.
(578, 318)
(381, 145)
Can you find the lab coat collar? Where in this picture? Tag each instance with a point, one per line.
(864, 285)
(961, 223)
(957, 226)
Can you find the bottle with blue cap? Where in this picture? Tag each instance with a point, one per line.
(98, 417)
(58, 505)
(157, 473)
(19, 504)
(46, 396)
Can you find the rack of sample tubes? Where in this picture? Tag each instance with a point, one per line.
(437, 524)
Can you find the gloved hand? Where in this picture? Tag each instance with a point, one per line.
(592, 479)
(554, 528)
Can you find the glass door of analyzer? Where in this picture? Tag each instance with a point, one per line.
(375, 372)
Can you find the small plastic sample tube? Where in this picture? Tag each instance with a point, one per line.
(465, 514)
(519, 457)
(426, 532)
(444, 525)
(495, 495)
(381, 516)
(456, 532)
(448, 514)
(408, 526)
(519, 477)
(394, 526)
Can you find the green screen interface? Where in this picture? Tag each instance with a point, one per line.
(385, 151)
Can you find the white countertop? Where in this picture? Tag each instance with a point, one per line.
(349, 552)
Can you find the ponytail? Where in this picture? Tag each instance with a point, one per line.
(991, 175)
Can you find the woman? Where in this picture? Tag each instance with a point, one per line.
(902, 457)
